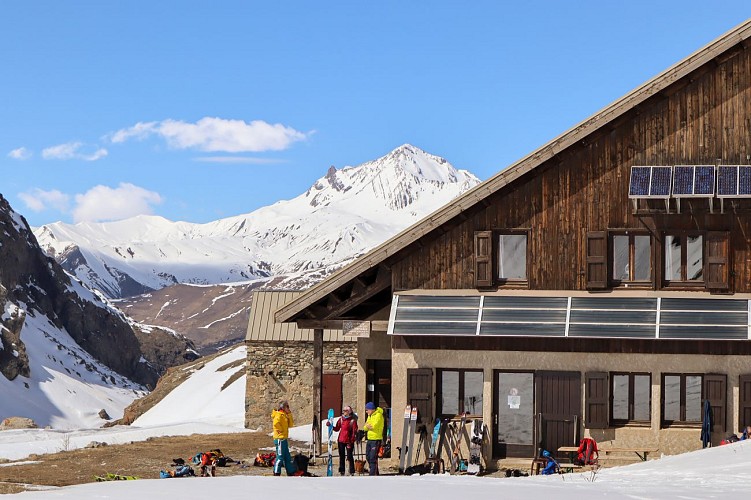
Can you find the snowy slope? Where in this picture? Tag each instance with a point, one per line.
(342, 215)
(203, 397)
(67, 387)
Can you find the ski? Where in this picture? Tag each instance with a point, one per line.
(405, 430)
(411, 437)
(434, 440)
(456, 454)
(475, 447)
(438, 461)
(330, 458)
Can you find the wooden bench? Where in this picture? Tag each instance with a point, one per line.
(640, 452)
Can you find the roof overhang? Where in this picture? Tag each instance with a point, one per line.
(717, 49)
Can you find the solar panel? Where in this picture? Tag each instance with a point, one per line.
(659, 187)
(704, 180)
(693, 181)
(727, 181)
(650, 182)
(683, 180)
(639, 183)
(734, 181)
(744, 180)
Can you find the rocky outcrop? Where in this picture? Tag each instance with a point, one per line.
(13, 358)
(17, 423)
(40, 285)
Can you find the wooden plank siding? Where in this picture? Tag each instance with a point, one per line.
(585, 188)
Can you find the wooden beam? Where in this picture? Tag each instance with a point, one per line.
(383, 281)
(317, 381)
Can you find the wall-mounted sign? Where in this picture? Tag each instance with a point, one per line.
(352, 328)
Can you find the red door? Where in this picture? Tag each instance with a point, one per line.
(331, 394)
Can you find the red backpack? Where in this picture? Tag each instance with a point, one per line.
(587, 453)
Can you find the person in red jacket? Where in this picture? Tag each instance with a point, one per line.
(347, 427)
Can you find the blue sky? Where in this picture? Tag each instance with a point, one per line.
(202, 110)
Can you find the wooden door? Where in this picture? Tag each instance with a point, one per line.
(420, 393)
(331, 394)
(558, 406)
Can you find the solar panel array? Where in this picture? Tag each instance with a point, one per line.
(650, 182)
(693, 181)
(734, 181)
(690, 181)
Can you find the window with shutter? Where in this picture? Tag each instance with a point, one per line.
(597, 260)
(717, 262)
(715, 390)
(744, 402)
(483, 259)
(596, 400)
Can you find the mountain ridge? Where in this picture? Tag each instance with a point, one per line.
(369, 202)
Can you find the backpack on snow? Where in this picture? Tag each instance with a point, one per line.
(587, 453)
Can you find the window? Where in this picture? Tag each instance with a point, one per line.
(681, 399)
(631, 258)
(512, 257)
(460, 391)
(631, 398)
(684, 258)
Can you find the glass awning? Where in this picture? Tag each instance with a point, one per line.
(571, 316)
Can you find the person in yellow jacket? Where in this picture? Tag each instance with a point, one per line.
(282, 421)
(374, 427)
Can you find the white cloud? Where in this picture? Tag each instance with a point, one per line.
(20, 154)
(71, 151)
(39, 200)
(216, 134)
(102, 203)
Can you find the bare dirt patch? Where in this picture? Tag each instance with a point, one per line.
(143, 459)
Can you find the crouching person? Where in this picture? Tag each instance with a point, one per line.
(282, 421)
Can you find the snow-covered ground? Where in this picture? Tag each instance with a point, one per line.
(721, 472)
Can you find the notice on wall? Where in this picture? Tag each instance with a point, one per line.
(359, 329)
(514, 400)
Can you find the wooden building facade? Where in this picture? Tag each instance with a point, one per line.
(558, 300)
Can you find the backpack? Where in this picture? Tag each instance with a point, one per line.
(264, 459)
(587, 453)
(301, 461)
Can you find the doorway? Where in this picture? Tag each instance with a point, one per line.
(533, 411)
(331, 394)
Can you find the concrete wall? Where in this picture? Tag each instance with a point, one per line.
(284, 370)
(667, 441)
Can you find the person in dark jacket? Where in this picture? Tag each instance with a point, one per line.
(347, 428)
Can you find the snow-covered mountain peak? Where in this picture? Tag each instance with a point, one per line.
(343, 214)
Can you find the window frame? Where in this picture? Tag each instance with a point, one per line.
(460, 392)
(682, 422)
(630, 421)
(683, 282)
(511, 282)
(632, 234)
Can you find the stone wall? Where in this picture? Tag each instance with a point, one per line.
(284, 370)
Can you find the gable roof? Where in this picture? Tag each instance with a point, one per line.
(480, 192)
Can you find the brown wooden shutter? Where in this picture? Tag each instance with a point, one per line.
(596, 400)
(483, 259)
(420, 392)
(744, 402)
(717, 262)
(597, 260)
(715, 390)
